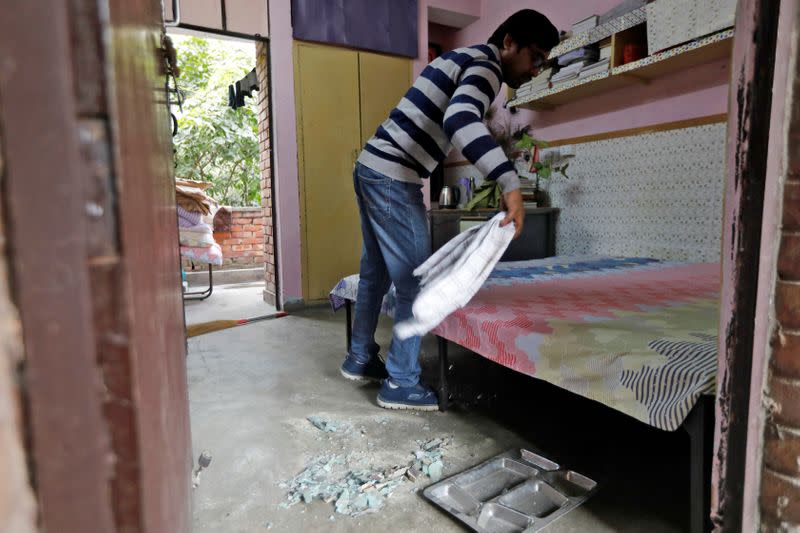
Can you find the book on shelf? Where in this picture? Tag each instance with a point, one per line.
(565, 78)
(537, 84)
(569, 71)
(580, 54)
(605, 52)
(595, 68)
(532, 89)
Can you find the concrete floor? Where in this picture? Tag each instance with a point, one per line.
(229, 302)
(252, 387)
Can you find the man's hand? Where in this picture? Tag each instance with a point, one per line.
(516, 210)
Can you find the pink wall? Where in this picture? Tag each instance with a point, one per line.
(468, 7)
(697, 92)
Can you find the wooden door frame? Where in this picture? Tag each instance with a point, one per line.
(750, 107)
(104, 384)
(69, 441)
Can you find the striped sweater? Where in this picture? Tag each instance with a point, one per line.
(444, 108)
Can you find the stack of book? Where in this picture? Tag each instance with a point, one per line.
(584, 25)
(585, 53)
(528, 190)
(568, 73)
(536, 85)
(594, 68)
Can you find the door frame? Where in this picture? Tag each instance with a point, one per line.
(68, 442)
(749, 137)
(210, 33)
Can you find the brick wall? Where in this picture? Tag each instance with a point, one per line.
(780, 483)
(262, 70)
(239, 231)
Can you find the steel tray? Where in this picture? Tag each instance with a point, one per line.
(515, 491)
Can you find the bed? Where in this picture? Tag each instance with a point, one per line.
(634, 333)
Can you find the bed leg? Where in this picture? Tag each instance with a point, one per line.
(700, 427)
(443, 392)
(348, 307)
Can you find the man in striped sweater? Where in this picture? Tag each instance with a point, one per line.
(443, 109)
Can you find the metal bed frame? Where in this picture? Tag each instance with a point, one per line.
(202, 295)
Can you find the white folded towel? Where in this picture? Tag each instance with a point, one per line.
(452, 276)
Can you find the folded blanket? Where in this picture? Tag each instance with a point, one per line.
(195, 238)
(209, 254)
(188, 218)
(452, 276)
(201, 228)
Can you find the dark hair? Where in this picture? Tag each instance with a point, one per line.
(527, 27)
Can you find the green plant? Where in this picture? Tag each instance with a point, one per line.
(216, 143)
(543, 169)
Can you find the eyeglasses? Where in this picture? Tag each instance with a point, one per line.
(540, 60)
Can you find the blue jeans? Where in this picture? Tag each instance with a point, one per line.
(394, 226)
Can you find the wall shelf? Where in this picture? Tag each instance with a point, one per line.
(704, 50)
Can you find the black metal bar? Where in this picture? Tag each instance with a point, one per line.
(176, 16)
(700, 427)
(490, 369)
(202, 295)
(443, 392)
(224, 15)
(348, 307)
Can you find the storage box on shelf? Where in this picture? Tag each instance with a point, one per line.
(601, 31)
(672, 22)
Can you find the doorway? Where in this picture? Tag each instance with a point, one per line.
(221, 139)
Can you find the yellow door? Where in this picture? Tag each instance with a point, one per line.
(329, 137)
(384, 81)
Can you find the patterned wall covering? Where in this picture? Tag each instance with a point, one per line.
(656, 195)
